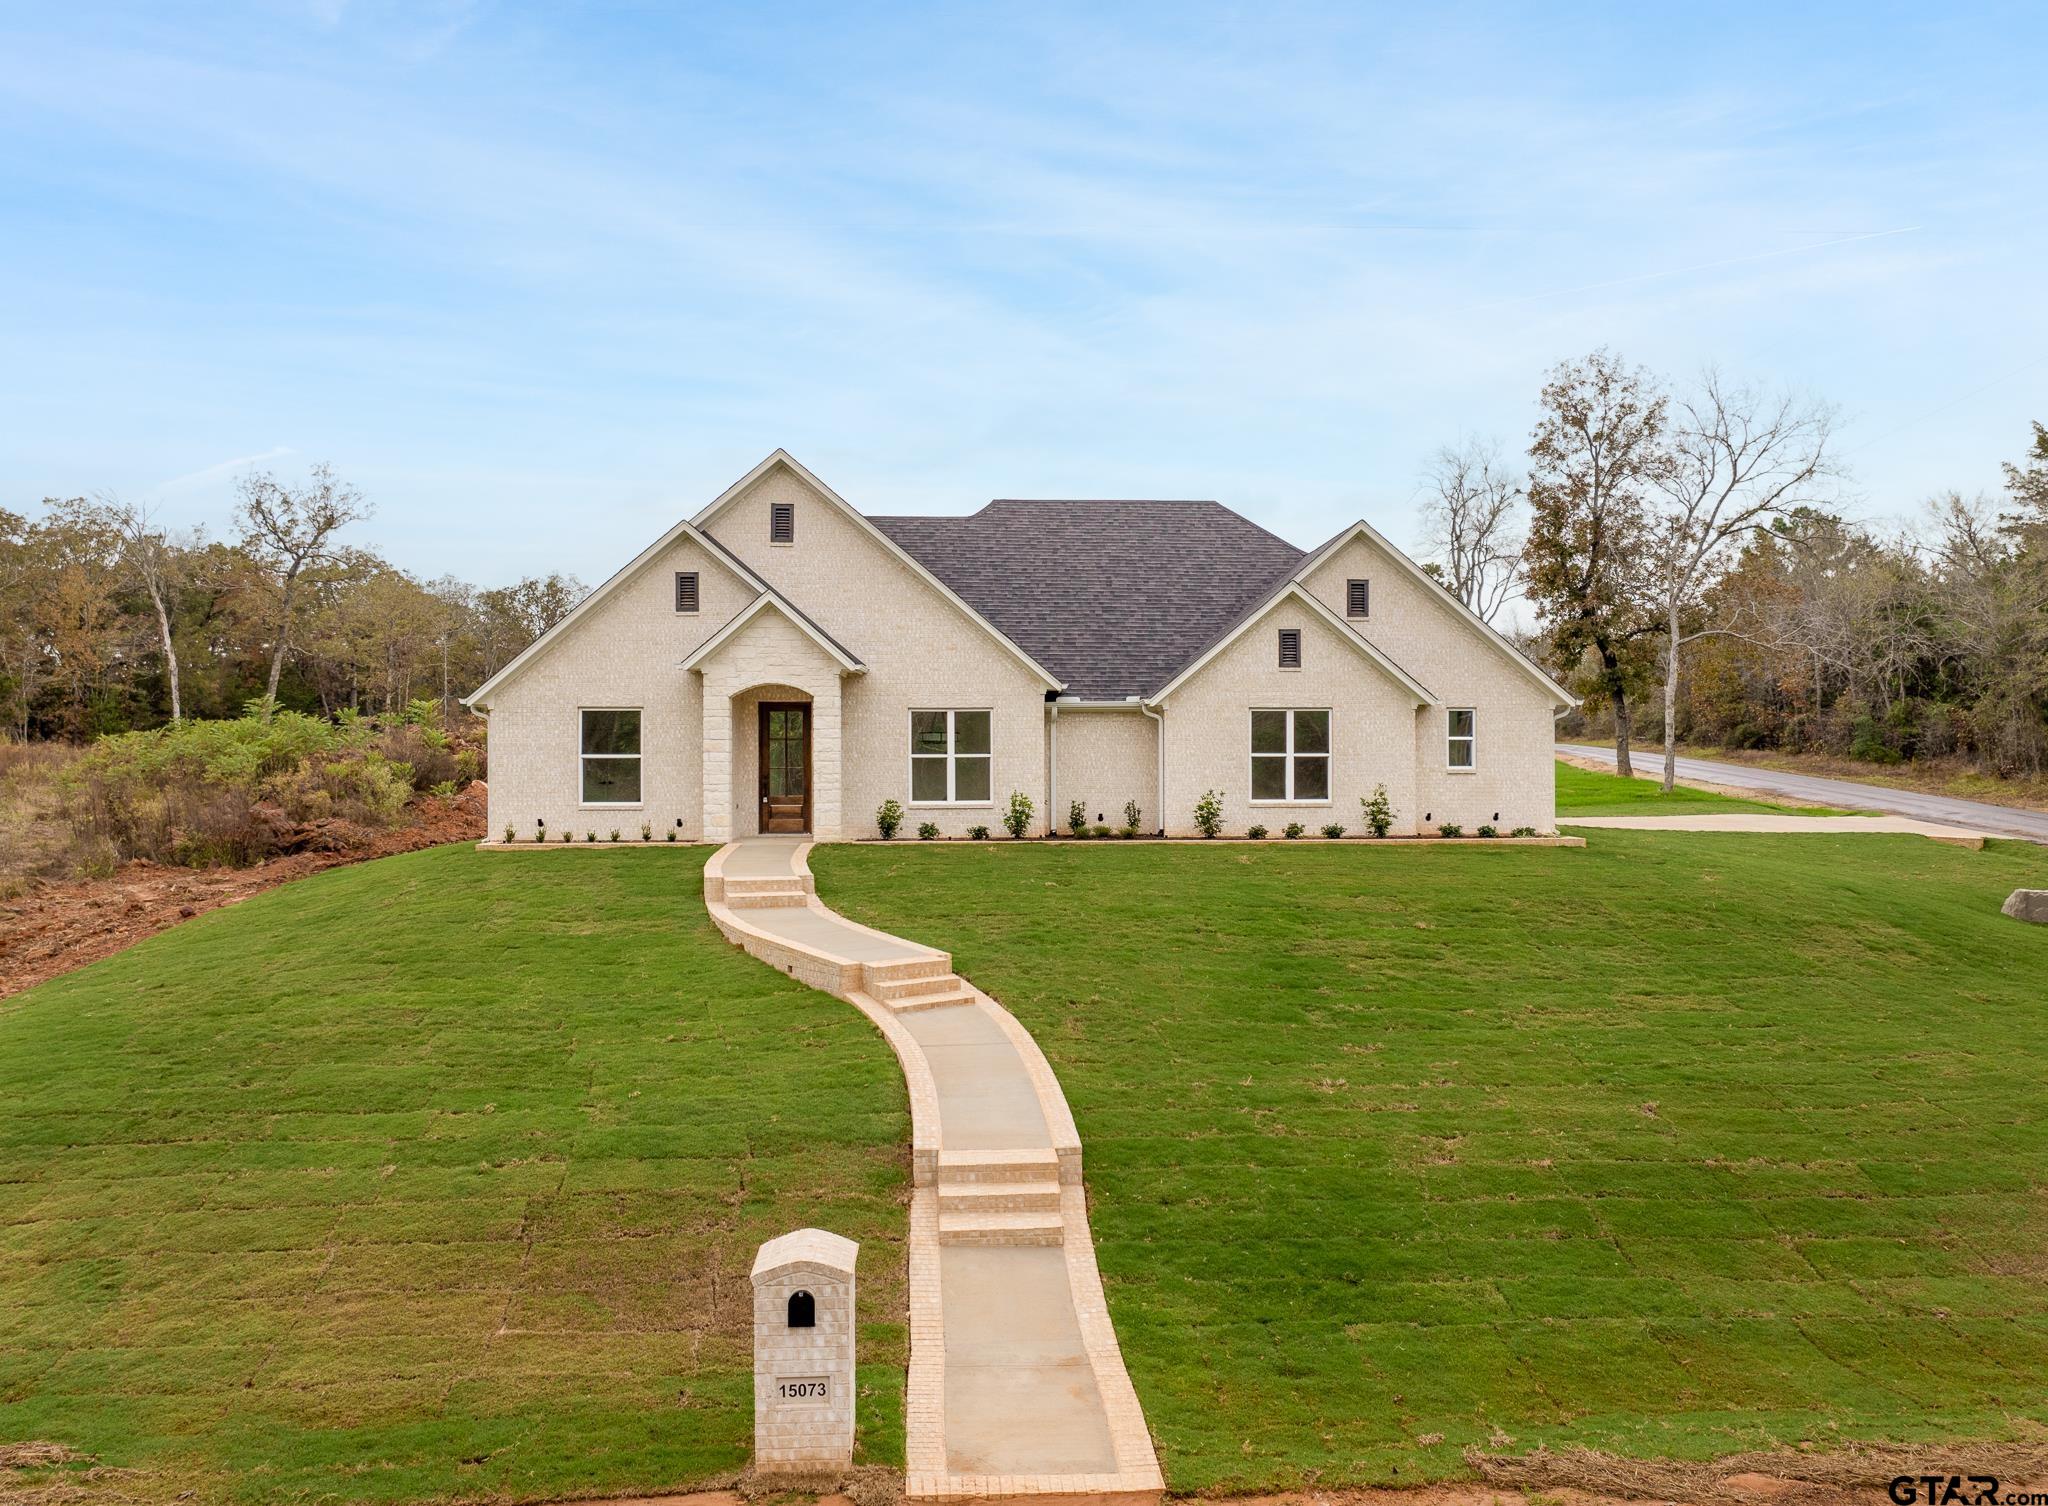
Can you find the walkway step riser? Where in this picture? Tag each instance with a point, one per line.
(766, 901)
(930, 1001)
(985, 1238)
(1044, 1168)
(880, 974)
(895, 990)
(1000, 1197)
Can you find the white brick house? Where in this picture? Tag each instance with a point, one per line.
(783, 662)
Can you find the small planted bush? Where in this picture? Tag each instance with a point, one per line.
(1450, 829)
(1379, 811)
(1209, 813)
(1256, 833)
(567, 835)
(590, 836)
(928, 831)
(978, 833)
(888, 817)
(1489, 831)
(669, 835)
(1523, 831)
(1134, 815)
(1292, 830)
(540, 828)
(1334, 830)
(1017, 819)
(1128, 833)
(1077, 817)
(615, 834)
(510, 835)
(647, 831)
(1098, 831)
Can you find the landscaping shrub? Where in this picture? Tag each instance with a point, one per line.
(888, 816)
(1489, 830)
(978, 833)
(1077, 817)
(1256, 833)
(1209, 813)
(1450, 829)
(206, 793)
(1523, 831)
(647, 831)
(590, 836)
(1379, 811)
(1333, 831)
(1017, 819)
(510, 835)
(1134, 815)
(1292, 830)
(1128, 833)
(928, 831)
(615, 834)
(1098, 831)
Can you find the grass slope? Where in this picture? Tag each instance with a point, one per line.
(437, 1176)
(1587, 792)
(1675, 1145)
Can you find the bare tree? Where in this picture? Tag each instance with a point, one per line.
(287, 530)
(1737, 458)
(1471, 524)
(1595, 454)
(152, 561)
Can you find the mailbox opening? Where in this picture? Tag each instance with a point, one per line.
(803, 1310)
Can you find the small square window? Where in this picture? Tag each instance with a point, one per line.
(1358, 599)
(1290, 648)
(782, 523)
(686, 590)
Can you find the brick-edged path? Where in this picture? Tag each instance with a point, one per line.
(1017, 1386)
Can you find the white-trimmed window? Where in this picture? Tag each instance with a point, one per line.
(1462, 750)
(1290, 756)
(610, 754)
(949, 758)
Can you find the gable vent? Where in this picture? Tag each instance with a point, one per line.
(782, 523)
(686, 590)
(1358, 599)
(1290, 648)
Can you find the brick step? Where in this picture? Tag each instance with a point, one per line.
(766, 901)
(902, 990)
(918, 1002)
(1011, 1166)
(880, 975)
(1029, 1228)
(999, 1197)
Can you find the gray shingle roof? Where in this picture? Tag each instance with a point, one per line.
(1114, 597)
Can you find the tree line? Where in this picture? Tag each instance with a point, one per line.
(1692, 567)
(112, 623)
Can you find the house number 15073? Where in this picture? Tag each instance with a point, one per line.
(812, 1388)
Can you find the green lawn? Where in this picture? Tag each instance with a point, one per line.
(1585, 792)
(438, 1176)
(1675, 1145)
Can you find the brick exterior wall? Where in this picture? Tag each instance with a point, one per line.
(921, 651)
(1105, 759)
(1208, 727)
(1433, 642)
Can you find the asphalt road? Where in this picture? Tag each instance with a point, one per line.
(2003, 819)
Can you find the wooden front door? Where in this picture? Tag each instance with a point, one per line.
(785, 761)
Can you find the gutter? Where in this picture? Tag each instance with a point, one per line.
(1160, 789)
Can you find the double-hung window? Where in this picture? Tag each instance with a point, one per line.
(949, 758)
(1462, 751)
(611, 756)
(1290, 755)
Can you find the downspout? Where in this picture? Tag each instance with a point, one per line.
(1052, 766)
(1161, 787)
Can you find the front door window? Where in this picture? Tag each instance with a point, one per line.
(785, 767)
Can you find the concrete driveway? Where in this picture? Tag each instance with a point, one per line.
(1945, 809)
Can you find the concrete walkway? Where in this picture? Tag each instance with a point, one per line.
(1946, 810)
(1016, 1387)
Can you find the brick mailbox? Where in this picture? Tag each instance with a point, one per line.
(803, 1352)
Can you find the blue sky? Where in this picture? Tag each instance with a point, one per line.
(542, 279)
